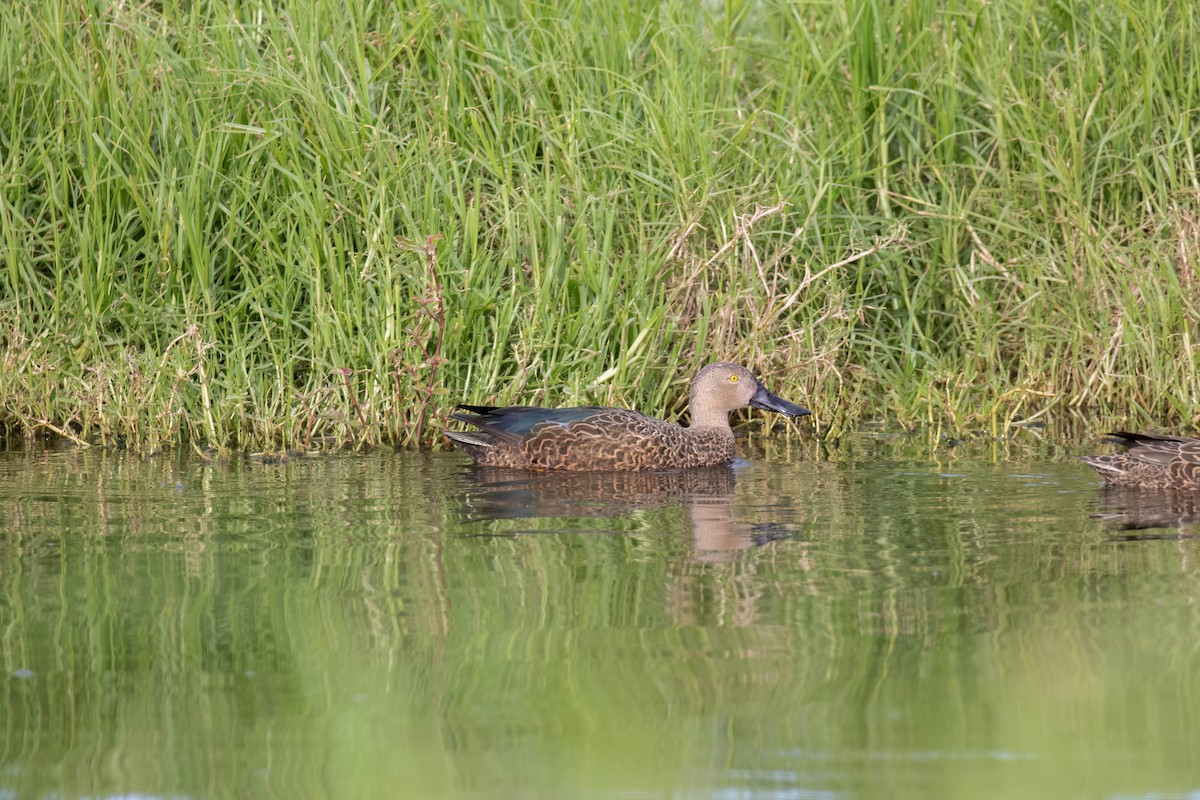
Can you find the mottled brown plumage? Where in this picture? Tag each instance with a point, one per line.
(593, 438)
(1150, 462)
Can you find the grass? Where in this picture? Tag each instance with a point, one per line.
(262, 225)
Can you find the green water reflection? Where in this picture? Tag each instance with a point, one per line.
(393, 625)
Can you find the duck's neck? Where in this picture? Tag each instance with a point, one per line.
(708, 418)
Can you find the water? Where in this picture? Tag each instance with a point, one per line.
(886, 621)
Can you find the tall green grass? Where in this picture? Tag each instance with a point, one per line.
(270, 224)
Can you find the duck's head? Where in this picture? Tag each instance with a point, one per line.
(721, 388)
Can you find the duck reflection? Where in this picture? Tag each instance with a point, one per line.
(705, 494)
(1133, 509)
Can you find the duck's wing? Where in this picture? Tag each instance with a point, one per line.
(1155, 449)
(514, 423)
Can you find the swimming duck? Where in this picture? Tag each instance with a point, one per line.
(596, 438)
(1150, 462)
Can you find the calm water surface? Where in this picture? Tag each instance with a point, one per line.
(881, 622)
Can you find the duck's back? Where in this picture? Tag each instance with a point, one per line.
(588, 438)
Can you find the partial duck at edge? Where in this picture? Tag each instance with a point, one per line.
(1150, 461)
(594, 438)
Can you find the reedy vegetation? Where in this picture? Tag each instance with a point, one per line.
(267, 224)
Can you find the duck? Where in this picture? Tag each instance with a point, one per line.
(1150, 461)
(595, 438)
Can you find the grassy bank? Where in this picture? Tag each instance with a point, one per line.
(255, 225)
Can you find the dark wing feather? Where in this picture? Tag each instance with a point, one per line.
(484, 410)
(1134, 439)
(514, 423)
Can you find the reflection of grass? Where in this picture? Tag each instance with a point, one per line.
(336, 620)
(282, 229)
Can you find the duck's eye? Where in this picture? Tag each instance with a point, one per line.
(733, 378)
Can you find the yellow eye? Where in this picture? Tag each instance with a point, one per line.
(733, 378)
